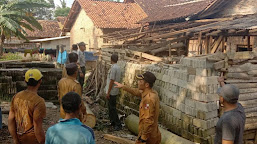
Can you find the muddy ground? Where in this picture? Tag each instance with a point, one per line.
(100, 129)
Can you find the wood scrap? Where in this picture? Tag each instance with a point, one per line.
(118, 139)
(90, 119)
(177, 45)
(132, 122)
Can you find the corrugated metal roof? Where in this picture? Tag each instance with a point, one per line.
(49, 39)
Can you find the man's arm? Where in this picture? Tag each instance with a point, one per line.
(109, 89)
(39, 132)
(148, 118)
(38, 115)
(227, 142)
(12, 126)
(133, 91)
(221, 80)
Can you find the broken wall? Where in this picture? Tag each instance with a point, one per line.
(187, 94)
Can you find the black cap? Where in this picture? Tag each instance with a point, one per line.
(71, 66)
(147, 76)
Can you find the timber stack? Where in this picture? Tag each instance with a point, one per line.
(240, 70)
(12, 79)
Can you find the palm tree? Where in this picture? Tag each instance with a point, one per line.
(15, 17)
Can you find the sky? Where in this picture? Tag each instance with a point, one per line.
(69, 2)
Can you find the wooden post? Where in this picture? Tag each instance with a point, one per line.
(169, 52)
(207, 44)
(200, 48)
(248, 42)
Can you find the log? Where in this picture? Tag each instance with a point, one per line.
(177, 45)
(118, 139)
(132, 122)
(90, 119)
(238, 76)
(251, 126)
(219, 65)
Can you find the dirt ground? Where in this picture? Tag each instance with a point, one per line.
(52, 117)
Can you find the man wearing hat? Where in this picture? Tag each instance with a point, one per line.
(70, 84)
(28, 111)
(82, 62)
(230, 127)
(148, 109)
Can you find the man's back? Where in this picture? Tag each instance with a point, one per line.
(70, 131)
(231, 126)
(26, 106)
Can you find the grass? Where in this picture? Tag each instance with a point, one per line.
(10, 56)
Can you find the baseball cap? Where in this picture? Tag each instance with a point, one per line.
(33, 73)
(147, 76)
(81, 44)
(229, 92)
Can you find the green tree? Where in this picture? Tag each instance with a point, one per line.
(62, 10)
(43, 13)
(15, 18)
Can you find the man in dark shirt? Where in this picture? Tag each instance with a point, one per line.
(230, 127)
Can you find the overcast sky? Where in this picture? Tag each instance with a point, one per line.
(69, 2)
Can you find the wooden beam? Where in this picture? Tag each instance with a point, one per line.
(145, 55)
(200, 48)
(216, 44)
(248, 43)
(215, 33)
(118, 139)
(214, 20)
(177, 45)
(166, 35)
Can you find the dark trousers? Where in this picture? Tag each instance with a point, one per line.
(82, 79)
(113, 115)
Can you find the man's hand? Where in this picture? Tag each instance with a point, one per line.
(81, 75)
(108, 96)
(221, 79)
(118, 85)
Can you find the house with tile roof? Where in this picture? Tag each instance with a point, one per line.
(50, 29)
(90, 19)
(167, 11)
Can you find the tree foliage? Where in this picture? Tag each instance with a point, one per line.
(62, 10)
(15, 17)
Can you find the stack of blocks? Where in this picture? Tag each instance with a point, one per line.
(187, 91)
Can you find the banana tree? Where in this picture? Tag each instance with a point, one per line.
(15, 17)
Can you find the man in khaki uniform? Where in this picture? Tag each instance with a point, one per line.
(70, 84)
(148, 109)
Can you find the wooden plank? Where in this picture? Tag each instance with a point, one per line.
(145, 55)
(200, 48)
(118, 139)
(216, 44)
(214, 33)
(177, 45)
(219, 65)
(214, 20)
(166, 35)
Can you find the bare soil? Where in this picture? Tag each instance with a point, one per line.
(52, 117)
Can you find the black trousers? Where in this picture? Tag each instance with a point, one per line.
(113, 115)
(82, 79)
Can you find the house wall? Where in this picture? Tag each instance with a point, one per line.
(54, 43)
(84, 30)
(240, 7)
(231, 44)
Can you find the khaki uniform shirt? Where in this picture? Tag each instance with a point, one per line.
(26, 107)
(148, 115)
(70, 84)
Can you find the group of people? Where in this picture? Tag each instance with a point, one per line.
(28, 109)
